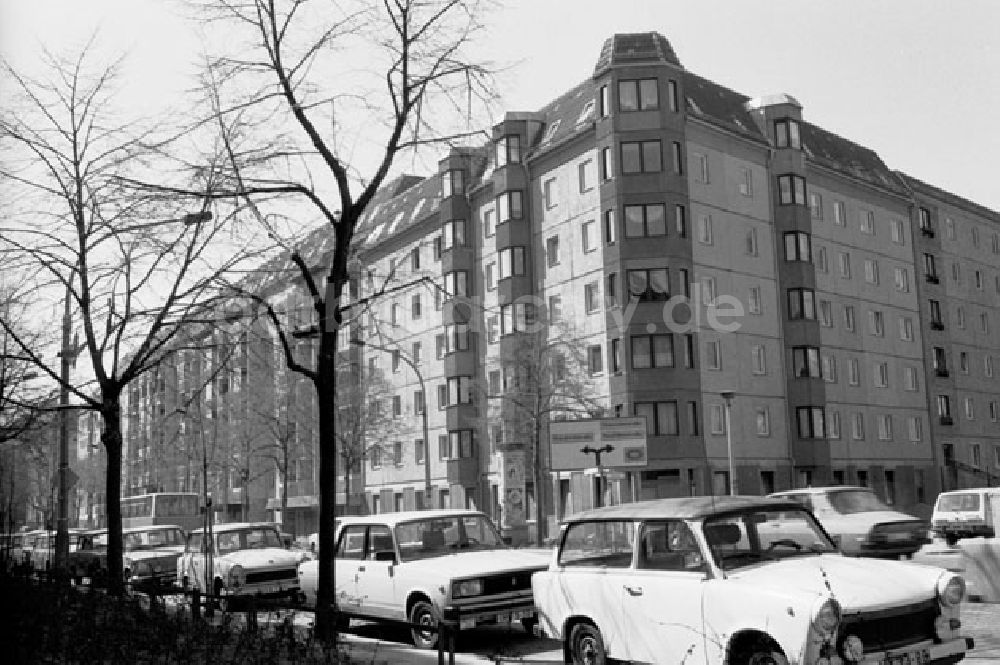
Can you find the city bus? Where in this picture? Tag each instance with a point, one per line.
(180, 508)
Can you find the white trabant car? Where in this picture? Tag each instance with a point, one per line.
(860, 523)
(740, 581)
(420, 566)
(240, 560)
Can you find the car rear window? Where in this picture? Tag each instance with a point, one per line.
(958, 502)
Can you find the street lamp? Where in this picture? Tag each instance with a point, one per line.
(596, 452)
(728, 396)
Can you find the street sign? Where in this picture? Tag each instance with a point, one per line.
(626, 436)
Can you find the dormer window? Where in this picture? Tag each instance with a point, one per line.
(452, 183)
(786, 133)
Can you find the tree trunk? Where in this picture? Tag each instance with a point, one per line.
(111, 437)
(326, 390)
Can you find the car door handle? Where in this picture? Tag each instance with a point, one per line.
(634, 590)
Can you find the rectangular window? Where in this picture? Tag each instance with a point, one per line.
(829, 368)
(916, 428)
(588, 234)
(516, 317)
(415, 306)
(415, 258)
(490, 276)
(868, 222)
(672, 97)
(552, 251)
(453, 234)
(555, 309)
(858, 426)
(648, 285)
(549, 193)
(603, 105)
(826, 313)
(610, 228)
(930, 269)
(839, 213)
(755, 304)
(638, 95)
(641, 157)
(705, 229)
(854, 372)
(607, 164)
(881, 375)
(649, 351)
(906, 329)
(944, 406)
(586, 179)
(876, 323)
(489, 223)
(833, 425)
(397, 405)
(508, 150)
(910, 381)
(798, 246)
(801, 304)
(805, 360)
(746, 181)
(791, 189)
(871, 271)
(752, 245)
(611, 292)
(786, 133)
(592, 297)
(810, 420)
(645, 220)
(762, 416)
(845, 265)
(708, 292)
(512, 262)
(680, 220)
(897, 231)
(970, 409)
(456, 283)
(717, 419)
(689, 351)
(459, 390)
(901, 278)
(452, 183)
(816, 206)
(822, 263)
(758, 359)
(595, 359)
(509, 206)
(678, 155)
(616, 355)
(713, 355)
(661, 417)
(924, 220)
(701, 167)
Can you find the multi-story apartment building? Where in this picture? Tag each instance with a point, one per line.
(958, 256)
(649, 243)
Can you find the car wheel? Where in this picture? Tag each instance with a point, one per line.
(586, 646)
(760, 652)
(422, 613)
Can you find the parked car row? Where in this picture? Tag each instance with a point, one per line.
(740, 580)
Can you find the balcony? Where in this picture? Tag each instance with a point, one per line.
(942, 371)
(927, 231)
(932, 279)
(937, 325)
(947, 420)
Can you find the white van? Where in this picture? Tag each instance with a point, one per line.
(966, 513)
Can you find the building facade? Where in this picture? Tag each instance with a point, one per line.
(650, 243)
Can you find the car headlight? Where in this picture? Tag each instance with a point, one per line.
(950, 590)
(463, 588)
(237, 576)
(826, 616)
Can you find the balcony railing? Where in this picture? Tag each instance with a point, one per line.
(937, 325)
(942, 371)
(932, 279)
(947, 420)
(927, 231)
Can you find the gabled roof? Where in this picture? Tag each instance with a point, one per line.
(565, 116)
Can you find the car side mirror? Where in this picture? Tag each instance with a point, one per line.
(385, 555)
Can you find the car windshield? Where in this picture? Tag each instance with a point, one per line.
(847, 502)
(438, 536)
(153, 538)
(745, 538)
(958, 502)
(246, 539)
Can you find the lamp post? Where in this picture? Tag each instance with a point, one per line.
(728, 396)
(596, 452)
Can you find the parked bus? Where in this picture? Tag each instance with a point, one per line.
(180, 508)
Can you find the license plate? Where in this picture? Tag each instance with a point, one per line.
(920, 657)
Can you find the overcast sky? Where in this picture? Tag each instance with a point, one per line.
(915, 80)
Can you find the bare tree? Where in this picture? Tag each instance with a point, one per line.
(134, 268)
(315, 111)
(547, 377)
